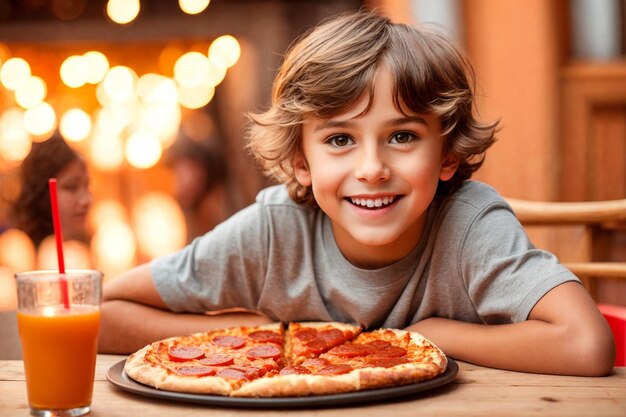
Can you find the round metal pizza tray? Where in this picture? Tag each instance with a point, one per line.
(118, 377)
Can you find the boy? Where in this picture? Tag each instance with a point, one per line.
(371, 133)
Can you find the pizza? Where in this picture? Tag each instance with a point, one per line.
(306, 358)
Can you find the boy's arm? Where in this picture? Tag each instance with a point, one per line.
(133, 315)
(565, 334)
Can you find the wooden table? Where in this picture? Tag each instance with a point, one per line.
(477, 391)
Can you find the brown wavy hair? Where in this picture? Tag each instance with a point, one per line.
(333, 65)
(31, 211)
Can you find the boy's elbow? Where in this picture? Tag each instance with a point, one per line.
(596, 354)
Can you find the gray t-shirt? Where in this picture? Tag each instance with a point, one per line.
(474, 263)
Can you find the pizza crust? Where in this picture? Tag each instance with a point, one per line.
(299, 385)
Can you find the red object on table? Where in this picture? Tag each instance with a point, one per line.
(616, 317)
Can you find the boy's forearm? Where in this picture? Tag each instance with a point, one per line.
(529, 346)
(127, 326)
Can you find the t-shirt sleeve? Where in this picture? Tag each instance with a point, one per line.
(504, 273)
(224, 268)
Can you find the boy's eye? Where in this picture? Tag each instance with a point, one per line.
(339, 141)
(402, 137)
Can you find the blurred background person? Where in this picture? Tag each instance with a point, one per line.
(31, 212)
(200, 176)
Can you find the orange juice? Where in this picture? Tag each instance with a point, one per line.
(59, 347)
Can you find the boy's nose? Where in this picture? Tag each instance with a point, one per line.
(371, 167)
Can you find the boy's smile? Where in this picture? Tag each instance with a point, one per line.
(374, 174)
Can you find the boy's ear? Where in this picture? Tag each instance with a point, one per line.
(301, 170)
(449, 166)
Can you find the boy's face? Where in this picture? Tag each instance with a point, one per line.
(374, 174)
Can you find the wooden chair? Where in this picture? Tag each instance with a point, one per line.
(598, 219)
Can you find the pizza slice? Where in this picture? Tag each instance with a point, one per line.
(389, 357)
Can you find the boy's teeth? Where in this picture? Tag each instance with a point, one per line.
(372, 202)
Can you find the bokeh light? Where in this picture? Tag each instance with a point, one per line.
(17, 250)
(157, 89)
(159, 224)
(160, 121)
(106, 152)
(97, 66)
(114, 119)
(224, 51)
(113, 247)
(119, 84)
(123, 11)
(192, 70)
(40, 120)
(104, 211)
(14, 72)
(143, 150)
(75, 125)
(13, 116)
(195, 98)
(74, 71)
(193, 6)
(15, 144)
(31, 93)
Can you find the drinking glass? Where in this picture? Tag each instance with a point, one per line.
(58, 319)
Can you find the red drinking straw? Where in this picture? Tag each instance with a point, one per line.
(56, 221)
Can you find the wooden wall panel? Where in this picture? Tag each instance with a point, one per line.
(593, 141)
(514, 48)
(607, 152)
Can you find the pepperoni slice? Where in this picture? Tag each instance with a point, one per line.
(386, 362)
(350, 350)
(266, 336)
(231, 373)
(184, 353)
(218, 359)
(377, 344)
(234, 342)
(264, 352)
(317, 345)
(338, 369)
(316, 362)
(391, 352)
(305, 334)
(195, 371)
(294, 370)
(332, 337)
